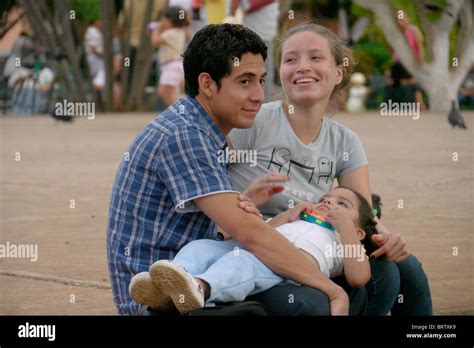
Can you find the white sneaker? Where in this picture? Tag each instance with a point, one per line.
(143, 291)
(181, 286)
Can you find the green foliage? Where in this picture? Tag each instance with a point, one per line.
(373, 57)
(86, 10)
(372, 51)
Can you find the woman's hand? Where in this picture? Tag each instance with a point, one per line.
(392, 245)
(262, 188)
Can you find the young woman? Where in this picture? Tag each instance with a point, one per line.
(293, 139)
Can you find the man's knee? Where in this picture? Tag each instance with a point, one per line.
(294, 300)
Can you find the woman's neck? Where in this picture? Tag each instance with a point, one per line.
(306, 121)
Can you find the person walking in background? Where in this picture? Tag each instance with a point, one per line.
(94, 46)
(262, 17)
(170, 37)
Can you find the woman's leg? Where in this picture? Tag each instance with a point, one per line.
(197, 256)
(383, 287)
(236, 275)
(415, 296)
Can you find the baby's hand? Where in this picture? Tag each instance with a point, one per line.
(248, 205)
(339, 218)
(293, 214)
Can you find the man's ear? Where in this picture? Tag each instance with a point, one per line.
(207, 85)
(360, 233)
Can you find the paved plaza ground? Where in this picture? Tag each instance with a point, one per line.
(410, 160)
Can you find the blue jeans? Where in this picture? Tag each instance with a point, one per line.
(376, 298)
(232, 272)
(383, 286)
(415, 293)
(287, 298)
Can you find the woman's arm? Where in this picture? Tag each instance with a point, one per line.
(390, 244)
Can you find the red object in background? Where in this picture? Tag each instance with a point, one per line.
(254, 5)
(197, 4)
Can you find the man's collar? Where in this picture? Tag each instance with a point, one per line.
(202, 115)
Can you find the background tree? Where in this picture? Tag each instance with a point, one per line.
(439, 75)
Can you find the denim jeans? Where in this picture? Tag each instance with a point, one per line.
(383, 287)
(287, 298)
(415, 293)
(236, 274)
(376, 298)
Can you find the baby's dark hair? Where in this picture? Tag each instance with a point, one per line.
(176, 15)
(367, 223)
(377, 204)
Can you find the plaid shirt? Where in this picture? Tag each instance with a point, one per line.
(152, 215)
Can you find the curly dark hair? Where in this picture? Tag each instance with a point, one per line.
(367, 223)
(213, 50)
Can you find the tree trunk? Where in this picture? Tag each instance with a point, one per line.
(439, 77)
(108, 13)
(142, 62)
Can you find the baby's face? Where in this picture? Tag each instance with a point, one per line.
(342, 198)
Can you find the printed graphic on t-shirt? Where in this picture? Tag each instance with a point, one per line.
(282, 158)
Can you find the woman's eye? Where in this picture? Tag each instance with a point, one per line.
(289, 60)
(343, 204)
(316, 58)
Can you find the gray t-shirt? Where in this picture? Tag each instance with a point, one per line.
(336, 151)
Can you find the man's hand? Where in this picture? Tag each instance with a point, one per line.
(262, 188)
(392, 245)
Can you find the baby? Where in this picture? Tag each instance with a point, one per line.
(221, 271)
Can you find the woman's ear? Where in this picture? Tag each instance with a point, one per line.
(339, 75)
(207, 85)
(360, 233)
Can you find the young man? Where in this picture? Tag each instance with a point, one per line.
(173, 188)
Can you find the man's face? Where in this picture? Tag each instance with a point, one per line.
(241, 95)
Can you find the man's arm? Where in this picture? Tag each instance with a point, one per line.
(257, 237)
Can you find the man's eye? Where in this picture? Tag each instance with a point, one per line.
(262, 82)
(316, 58)
(343, 204)
(289, 60)
(244, 82)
